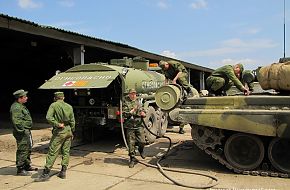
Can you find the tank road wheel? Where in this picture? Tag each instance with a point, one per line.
(279, 154)
(244, 151)
(163, 123)
(151, 122)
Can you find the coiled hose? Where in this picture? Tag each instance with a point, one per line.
(161, 169)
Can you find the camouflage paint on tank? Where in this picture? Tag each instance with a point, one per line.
(260, 115)
(267, 116)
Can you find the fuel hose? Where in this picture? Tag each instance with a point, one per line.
(214, 182)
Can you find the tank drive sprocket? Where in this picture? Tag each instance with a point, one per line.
(206, 137)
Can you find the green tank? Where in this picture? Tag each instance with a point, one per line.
(95, 91)
(247, 134)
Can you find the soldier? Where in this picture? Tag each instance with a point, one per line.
(223, 78)
(176, 72)
(133, 111)
(60, 115)
(22, 124)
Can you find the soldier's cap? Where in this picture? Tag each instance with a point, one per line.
(58, 94)
(241, 67)
(132, 90)
(20, 93)
(162, 63)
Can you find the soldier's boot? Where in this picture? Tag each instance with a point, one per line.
(189, 92)
(181, 131)
(223, 93)
(44, 176)
(211, 93)
(30, 168)
(132, 162)
(22, 172)
(62, 173)
(141, 151)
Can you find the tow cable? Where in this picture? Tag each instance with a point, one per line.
(161, 169)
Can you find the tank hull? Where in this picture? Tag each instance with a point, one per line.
(247, 134)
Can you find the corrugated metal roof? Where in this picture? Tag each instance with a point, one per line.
(60, 29)
(190, 65)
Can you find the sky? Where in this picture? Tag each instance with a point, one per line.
(209, 33)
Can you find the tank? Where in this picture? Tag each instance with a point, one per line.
(95, 91)
(247, 134)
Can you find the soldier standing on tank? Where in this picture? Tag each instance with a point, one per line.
(22, 124)
(223, 78)
(61, 116)
(133, 111)
(176, 72)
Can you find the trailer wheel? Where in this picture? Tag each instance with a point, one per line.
(151, 122)
(163, 123)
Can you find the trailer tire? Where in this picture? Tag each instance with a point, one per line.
(163, 123)
(151, 122)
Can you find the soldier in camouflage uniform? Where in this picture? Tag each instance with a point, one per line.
(133, 111)
(60, 115)
(176, 72)
(223, 78)
(22, 124)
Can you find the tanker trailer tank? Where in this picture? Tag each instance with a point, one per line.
(95, 91)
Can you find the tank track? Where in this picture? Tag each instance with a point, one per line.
(217, 154)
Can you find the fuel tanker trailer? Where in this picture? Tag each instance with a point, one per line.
(247, 134)
(96, 91)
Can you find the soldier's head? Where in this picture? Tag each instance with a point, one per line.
(238, 69)
(132, 94)
(58, 95)
(163, 64)
(20, 96)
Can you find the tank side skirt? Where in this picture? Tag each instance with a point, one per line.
(259, 122)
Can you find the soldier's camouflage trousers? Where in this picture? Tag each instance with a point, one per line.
(24, 146)
(215, 83)
(135, 137)
(182, 80)
(60, 142)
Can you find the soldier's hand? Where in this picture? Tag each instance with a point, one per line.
(132, 111)
(142, 114)
(246, 92)
(61, 125)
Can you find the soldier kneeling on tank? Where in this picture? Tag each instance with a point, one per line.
(175, 71)
(223, 78)
(133, 111)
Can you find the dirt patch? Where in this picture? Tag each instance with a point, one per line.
(40, 132)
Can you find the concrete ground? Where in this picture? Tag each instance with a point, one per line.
(104, 165)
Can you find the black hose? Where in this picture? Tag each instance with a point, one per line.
(216, 181)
